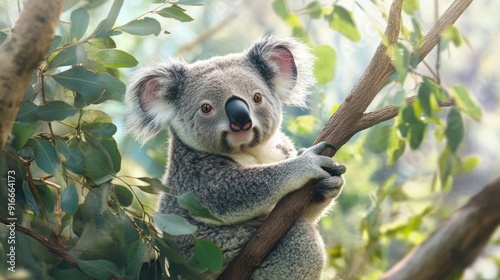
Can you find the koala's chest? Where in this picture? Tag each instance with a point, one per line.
(263, 155)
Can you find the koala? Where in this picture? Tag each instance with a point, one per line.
(224, 115)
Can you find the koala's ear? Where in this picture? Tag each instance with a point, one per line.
(150, 98)
(286, 64)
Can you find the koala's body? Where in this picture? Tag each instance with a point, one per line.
(224, 116)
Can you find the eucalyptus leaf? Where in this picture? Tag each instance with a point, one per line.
(30, 199)
(314, 9)
(80, 19)
(99, 269)
(55, 111)
(455, 130)
(94, 87)
(95, 163)
(142, 27)
(69, 199)
(72, 156)
(189, 202)
(113, 58)
(411, 6)
(174, 224)
(208, 254)
(105, 26)
(45, 154)
(466, 102)
(325, 63)
(98, 129)
(124, 195)
(176, 13)
(21, 132)
(27, 112)
(342, 20)
(69, 55)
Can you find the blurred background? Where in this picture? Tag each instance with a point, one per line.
(365, 234)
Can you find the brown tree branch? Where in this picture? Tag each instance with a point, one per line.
(20, 54)
(51, 246)
(347, 121)
(456, 243)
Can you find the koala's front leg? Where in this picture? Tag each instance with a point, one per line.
(327, 190)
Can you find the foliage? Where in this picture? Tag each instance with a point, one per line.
(65, 160)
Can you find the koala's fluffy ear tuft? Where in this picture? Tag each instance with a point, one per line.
(286, 64)
(150, 96)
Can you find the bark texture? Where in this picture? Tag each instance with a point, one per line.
(24, 48)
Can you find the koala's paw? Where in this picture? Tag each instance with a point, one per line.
(330, 187)
(314, 164)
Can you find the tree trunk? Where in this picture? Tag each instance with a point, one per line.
(20, 54)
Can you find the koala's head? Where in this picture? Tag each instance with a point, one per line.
(225, 104)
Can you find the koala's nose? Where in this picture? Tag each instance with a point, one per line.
(238, 114)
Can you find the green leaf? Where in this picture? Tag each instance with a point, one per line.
(303, 125)
(98, 129)
(68, 56)
(378, 138)
(155, 185)
(401, 61)
(417, 131)
(79, 23)
(446, 162)
(95, 164)
(176, 13)
(454, 129)
(325, 63)
(174, 224)
(56, 42)
(411, 6)
(94, 87)
(112, 58)
(342, 21)
(30, 200)
(314, 9)
(451, 34)
(46, 196)
(69, 199)
(189, 202)
(72, 156)
(208, 254)
(142, 27)
(21, 132)
(109, 150)
(469, 163)
(124, 195)
(55, 111)
(95, 116)
(99, 269)
(46, 156)
(104, 27)
(27, 112)
(280, 7)
(466, 102)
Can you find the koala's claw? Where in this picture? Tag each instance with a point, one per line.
(336, 170)
(330, 187)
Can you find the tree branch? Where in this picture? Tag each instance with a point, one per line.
(347, 121)
(24, 48)
(456, 243)
(51, 246)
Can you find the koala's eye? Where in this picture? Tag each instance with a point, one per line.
(206, 108)
(257, 97)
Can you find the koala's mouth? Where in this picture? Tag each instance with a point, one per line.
(237, 141)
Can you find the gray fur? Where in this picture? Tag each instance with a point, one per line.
(238, 176)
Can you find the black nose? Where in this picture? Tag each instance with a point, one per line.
(238, 114)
